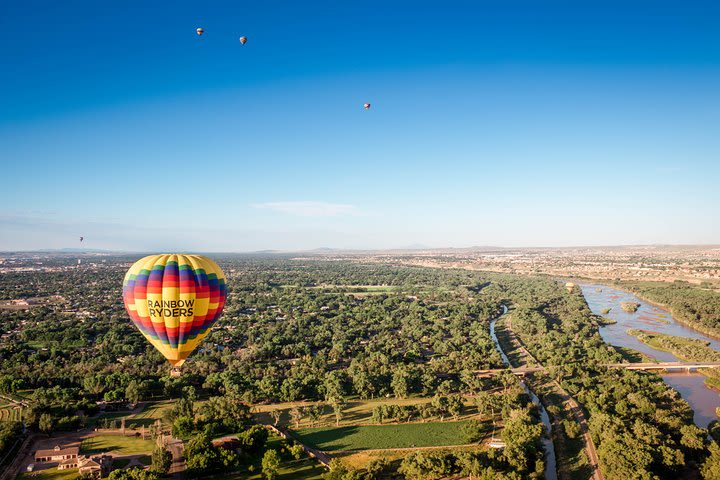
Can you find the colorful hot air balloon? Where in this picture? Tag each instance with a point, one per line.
(366, 106)
(243, 39)
(200, 31)
(174, 300)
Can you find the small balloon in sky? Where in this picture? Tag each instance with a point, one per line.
(200, 31)
(243, 39)
(82, 238)
(366, 106)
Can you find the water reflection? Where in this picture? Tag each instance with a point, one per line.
(702, 399)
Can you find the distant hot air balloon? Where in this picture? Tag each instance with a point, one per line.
(366, 106)
(81, 238)
(200, 31)
(243, 39)
(174, 300)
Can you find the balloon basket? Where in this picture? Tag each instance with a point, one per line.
(175, 372)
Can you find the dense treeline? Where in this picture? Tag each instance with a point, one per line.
(308, 330)
(643, 429)
(292, 330)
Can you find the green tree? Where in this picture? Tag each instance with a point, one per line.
(440, 406)
(522, 438)
(338, 471)
(378, 413)
(455, 406)
(183, 427)
(133, 473)
(296, 450)
(296, 414)
(46, 423)
(472, 431)
(271, 464)
(711, 468)
(276, 415)
(253, 439)
(314, 412)
(133, 392)
(426, 465)
(200, 456)
(400, 382)
(94, 384)
(161, 460)
(377, 467)
(334, 385)
(338, 405)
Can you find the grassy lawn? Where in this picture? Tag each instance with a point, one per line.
(356, 412)
(146, 417)
(153, 411)
(50, 474)
(290, 469)
(408, 435)
(97, 421)
(361, 459)
(116, 443)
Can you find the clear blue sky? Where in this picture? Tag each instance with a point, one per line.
(501, 122)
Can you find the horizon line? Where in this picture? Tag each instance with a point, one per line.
(367, 250)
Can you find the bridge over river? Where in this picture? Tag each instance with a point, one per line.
(665, 365)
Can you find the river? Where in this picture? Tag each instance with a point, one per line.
(548, 447)
(702, 399)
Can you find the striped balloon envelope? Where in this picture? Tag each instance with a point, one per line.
(174, 300)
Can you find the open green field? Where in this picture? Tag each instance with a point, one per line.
(356, 412)
(155, 410)
(50, 474)
(116, 443)
(360, 459)
(290, 469)
(97, 421)
(409, 435)
(151, 412)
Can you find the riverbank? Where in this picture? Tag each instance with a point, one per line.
(686, 349)
(700, 388)
(678, 317)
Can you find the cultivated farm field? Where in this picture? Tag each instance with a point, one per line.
(368, 437)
